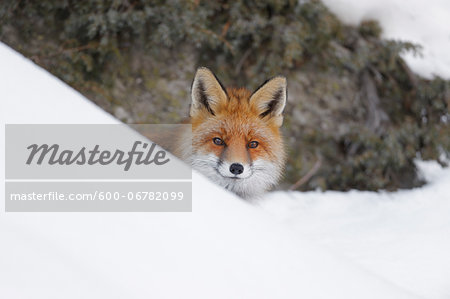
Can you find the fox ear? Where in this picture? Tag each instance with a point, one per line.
(207, 92)
(270, 98)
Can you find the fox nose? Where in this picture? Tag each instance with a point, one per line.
(236, 168)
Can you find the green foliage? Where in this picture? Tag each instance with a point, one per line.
(369, 28)
(355, 106)
(221, 31)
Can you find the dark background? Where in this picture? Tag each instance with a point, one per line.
(357, 116)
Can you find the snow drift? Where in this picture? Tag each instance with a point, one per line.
(403, 236)
(225, 248)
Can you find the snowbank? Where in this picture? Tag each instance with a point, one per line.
(403, 236)
(424, 22)
(226, 248)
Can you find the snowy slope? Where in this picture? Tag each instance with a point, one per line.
(226, 248)
(402, 236)
(424, 22)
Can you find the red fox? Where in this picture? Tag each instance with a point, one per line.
(236, 141)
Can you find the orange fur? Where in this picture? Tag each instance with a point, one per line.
(238, 118)
(238, 123)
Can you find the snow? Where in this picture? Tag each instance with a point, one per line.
(402, 236)
(289, 245)
(423, 22)
(311, 245)
(225, 248)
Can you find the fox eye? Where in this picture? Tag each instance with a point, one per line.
(253, 144)
(218, 141)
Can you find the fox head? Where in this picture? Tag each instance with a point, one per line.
(236, 137)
